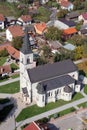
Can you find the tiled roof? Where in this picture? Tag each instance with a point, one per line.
(16, 30)
(40, 27)
(70, 31)
(2, 17)
(26, 18)
(11, 50)
(65, 3)
(5, 69)
(32, 126)
(47, 71)
(84, 15)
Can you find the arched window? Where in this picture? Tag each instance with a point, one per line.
(28, 60)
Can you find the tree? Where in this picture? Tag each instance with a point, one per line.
(56, 57)
(40, 61)
(77, 40)
(78, 52)
(62, 13)
(3, 53)
(46, 51)
(17, 42)
(53, 33)
(78, 5)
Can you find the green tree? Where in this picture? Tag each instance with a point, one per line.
(78, 53)
(53, 33)
(3, 53)
(17, 42)
(62, 13)
(77, 40)
(56, 57)
(46, 51)
(40, 61)
(78, 5)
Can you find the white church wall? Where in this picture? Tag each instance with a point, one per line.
(74, 75)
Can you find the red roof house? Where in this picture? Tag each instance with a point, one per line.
(67, 33)
(36, 126)
(25, 19)
(2, 20)
(65, 4)
(14, 31)
(40, 28)
(5, 70)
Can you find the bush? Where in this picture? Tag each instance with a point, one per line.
(43, 120)
(3, 53)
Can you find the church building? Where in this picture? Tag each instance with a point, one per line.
(46, 83)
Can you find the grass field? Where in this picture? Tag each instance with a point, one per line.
(7, 9)
(85, 89)
(10, 88)
(35, 110)
(2, 60)
(84, 105)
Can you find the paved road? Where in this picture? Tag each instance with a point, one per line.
(9, 81)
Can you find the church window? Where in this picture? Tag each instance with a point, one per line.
(22, 60)
(48, 94)
(43, 98)
(28, 60)
(57, 91)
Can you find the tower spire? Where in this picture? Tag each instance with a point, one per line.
(26, 47)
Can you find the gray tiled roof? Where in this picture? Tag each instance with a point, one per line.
(55, 83)
(26, 48)
(47, 71)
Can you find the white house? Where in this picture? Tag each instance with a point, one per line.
(83, 17)
(66, 5)
(14, 31)
(25, 19)
(2, 21)
(46, 83)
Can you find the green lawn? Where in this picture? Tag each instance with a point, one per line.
(84, 105)
(85, 89)
(64, 112)
(10, 88)
(2, 60)
(35, 110)
(8, 9)
(14, 66)
(15, 76)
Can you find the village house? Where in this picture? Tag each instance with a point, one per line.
(54, 45)
(14, 54)
(46, 83)
(65, 4)
(83, 30)
(36, 126)
(5, 70)
(67, 33)
(83, 17)
(73, 16)
(25, 19)
(2, 21)
(14, 31)
(40, 28)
